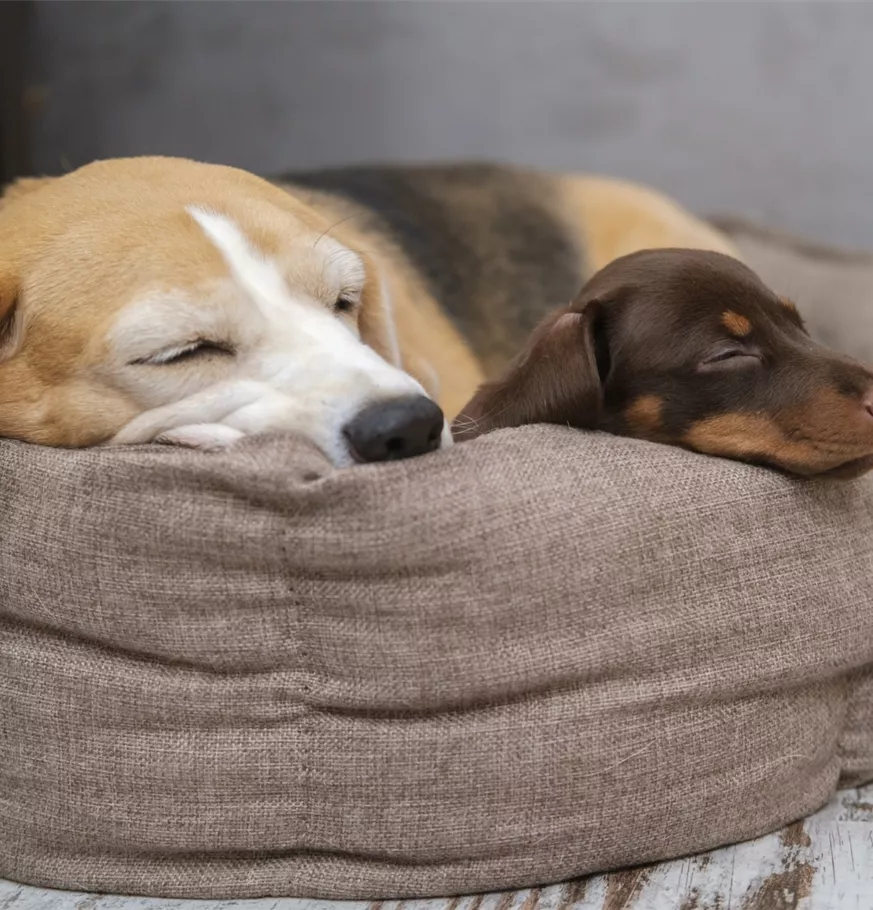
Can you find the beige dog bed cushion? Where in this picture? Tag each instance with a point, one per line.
(541, 654)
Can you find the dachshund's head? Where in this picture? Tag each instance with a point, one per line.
(688, 348)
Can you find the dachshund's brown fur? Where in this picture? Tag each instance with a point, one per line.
(688, 348)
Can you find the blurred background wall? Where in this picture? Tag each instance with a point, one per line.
(759, 109)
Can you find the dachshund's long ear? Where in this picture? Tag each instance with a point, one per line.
(555, 379)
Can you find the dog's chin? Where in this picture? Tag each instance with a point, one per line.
(849, 470)
(846, 470)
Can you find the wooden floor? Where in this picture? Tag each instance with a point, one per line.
(824, 863)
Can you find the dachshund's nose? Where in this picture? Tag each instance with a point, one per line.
(398, 428)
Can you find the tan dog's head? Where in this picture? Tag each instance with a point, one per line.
(158, 298)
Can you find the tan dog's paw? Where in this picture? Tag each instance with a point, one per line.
(209, 437)
(185, 419)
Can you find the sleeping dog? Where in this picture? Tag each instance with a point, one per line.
(691, 349)
(159, 299)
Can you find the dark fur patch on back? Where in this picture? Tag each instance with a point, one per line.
(487, 240)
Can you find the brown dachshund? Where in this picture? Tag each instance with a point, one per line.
(688, 348)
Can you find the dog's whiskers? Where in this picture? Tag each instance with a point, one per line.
(336, 224)
(462, 422)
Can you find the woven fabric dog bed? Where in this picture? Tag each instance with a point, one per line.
(538, 655)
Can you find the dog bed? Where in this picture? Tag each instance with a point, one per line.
(538, 655)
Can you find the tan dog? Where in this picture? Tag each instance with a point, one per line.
(161, 299)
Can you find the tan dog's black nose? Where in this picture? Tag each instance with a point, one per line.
(390, 430)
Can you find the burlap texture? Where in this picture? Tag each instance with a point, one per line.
(541, 654)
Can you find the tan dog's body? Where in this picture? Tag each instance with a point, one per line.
(159, 298)
(481, 252)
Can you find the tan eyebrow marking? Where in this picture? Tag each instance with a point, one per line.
(788, 303)
(736, 324)
(645, 412)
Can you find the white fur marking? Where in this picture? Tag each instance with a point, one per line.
(257, 276)
(343, 265)
(206, 436)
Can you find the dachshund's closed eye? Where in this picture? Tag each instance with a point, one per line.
(689, 348)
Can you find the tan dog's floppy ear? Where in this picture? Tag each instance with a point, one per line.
(555, 379)
(10, 317)
(10, 323)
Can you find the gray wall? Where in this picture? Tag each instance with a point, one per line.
(760, 109)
